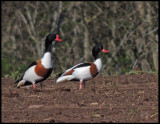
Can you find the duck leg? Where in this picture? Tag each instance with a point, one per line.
(34, 86)
(80, 87)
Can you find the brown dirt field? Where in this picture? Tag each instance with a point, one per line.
(105, 99)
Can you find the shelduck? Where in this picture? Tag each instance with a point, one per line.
(41, 69)
(84, 71)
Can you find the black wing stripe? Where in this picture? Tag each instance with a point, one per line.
(82, 65)
(33, 63)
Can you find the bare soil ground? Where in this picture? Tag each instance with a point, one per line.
(105, 99)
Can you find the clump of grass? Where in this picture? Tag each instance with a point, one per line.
(16, 75)
(6, 76)
(151, 72)
(139, 72)
(133, 110)
(109, 84)
(132, 72)
(112, 83)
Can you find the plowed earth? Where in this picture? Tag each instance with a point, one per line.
(105, 99)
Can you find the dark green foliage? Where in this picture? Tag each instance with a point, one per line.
(128, 29)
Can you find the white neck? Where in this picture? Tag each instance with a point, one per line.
(47, 60)
(98, 64)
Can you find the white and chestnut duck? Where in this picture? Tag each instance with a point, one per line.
(84, 71)
(41, 69)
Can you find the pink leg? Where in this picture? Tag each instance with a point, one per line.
(34, 86)
(80, 87)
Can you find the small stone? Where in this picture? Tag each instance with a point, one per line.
(35, 106)
(94, 103)
(96, 116)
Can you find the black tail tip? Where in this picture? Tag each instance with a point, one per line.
(57, 76)
(16, 82)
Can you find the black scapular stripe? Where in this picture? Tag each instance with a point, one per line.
(78, 66)
(82, 65)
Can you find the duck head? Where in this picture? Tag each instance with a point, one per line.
(49, 39)
(98, 48)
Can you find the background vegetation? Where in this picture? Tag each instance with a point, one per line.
(129, 30)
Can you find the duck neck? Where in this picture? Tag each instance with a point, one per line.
(48, 47)
(96, 56)
(47, 60)
(98, 64)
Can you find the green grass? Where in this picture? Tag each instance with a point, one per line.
(132, 72)
(151, 72)
(17, 74)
